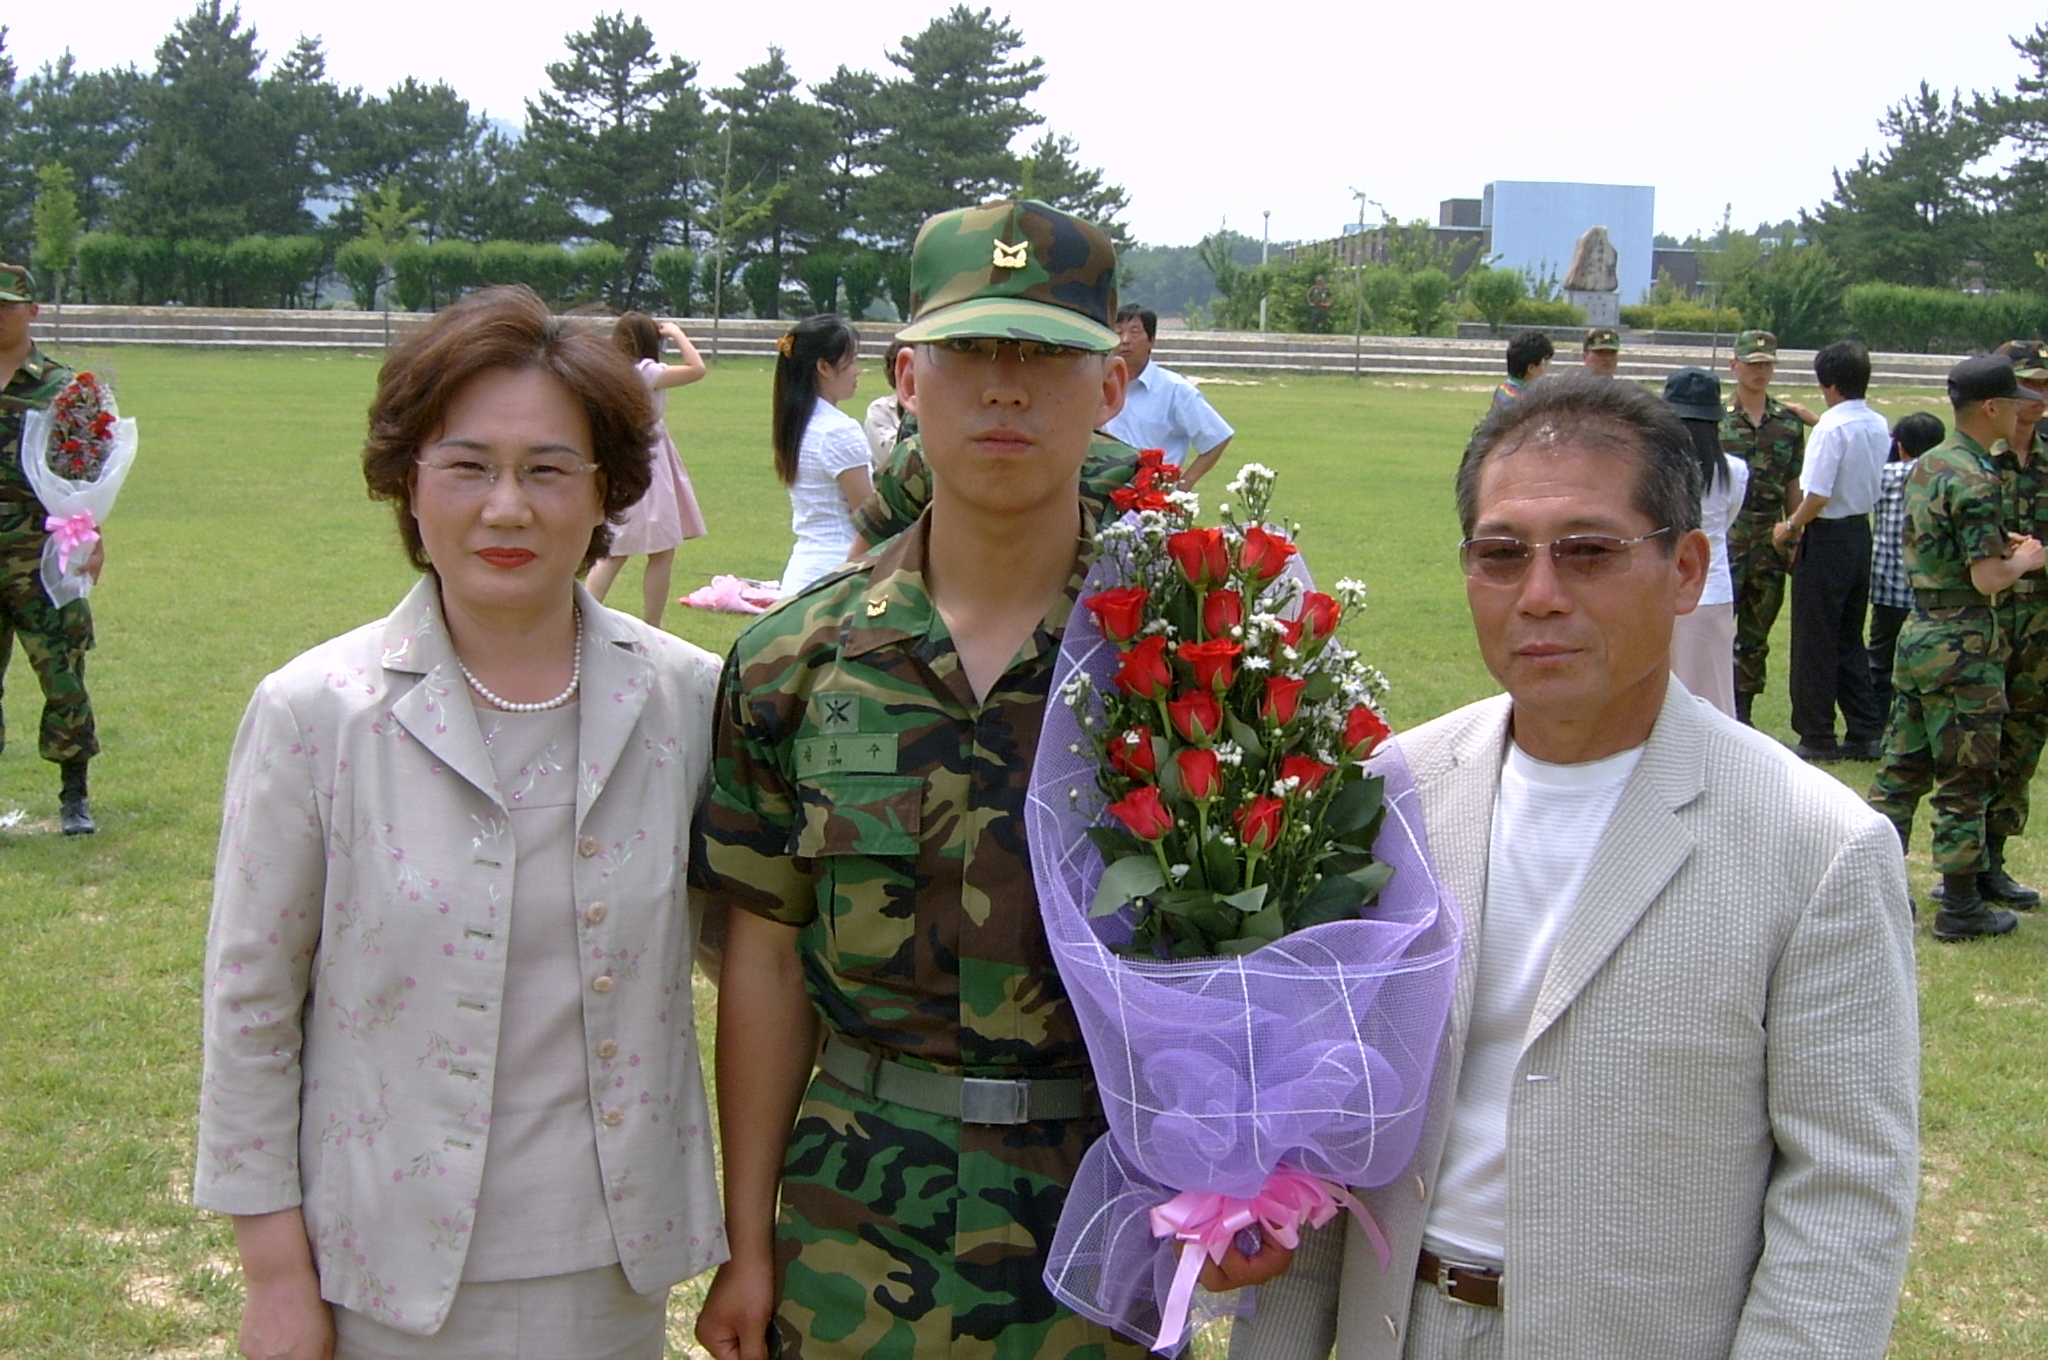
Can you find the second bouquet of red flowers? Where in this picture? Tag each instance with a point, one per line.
(1229, 744)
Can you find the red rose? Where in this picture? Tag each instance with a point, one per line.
(1143, 814)
(1127, 500)
(1310, 772)
(1201, 556)
(1130, 754)
(1143, 670)
(1291, 631)
(1196, 715)
(1120, 612)
(1320, 613)
(1265, 554)
(1283, 696)
(1201, 773)
(1364, 730)
(1222, 610)
(1152, 458)
(1259, 822)
(1214, 663)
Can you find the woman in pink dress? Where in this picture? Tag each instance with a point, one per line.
(668, 513)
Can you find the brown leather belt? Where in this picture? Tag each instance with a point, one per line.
(1459, 1281)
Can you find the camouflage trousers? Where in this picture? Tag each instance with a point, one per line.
(1948, 714)
(1759, 569)
(2025, 733)
(907, 1235)
(54, 640)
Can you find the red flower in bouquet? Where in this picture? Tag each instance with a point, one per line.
(1144, 669)
(1131, 756)
(1201, 773)
(1310, 773)
(1127, 499)
(1120, 612)
(1143, 814)
(1201, 555)
(1283, 697)
(1364, 730)
(1196, 715)
(1291, 631)
(1265, 553)
(1319, 615)
(1214, 663)
(1259, 823)
(1222, 610)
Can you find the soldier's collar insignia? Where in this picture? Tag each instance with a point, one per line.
(1012, 257)
(877, 608)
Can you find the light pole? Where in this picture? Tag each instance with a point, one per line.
(1265, 248)
(1358, 282)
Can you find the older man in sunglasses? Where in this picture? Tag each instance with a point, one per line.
(1676, 1110)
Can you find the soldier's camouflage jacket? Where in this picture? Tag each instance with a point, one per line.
(1773, 447)
(33, 386)
(1954, 514)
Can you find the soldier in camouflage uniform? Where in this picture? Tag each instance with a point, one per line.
(866, 820)
(1769, 435)
(2023, 472)
(54, 640)
(1949, 672)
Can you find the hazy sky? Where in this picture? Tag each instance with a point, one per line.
(1208, 113)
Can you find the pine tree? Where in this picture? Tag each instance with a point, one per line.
(1052, 172)
(1914, 214)
(780, 146)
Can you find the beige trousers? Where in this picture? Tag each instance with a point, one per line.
(591, 1315)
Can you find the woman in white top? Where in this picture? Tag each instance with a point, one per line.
(668, 514)
(1703, 642)
(821, 454)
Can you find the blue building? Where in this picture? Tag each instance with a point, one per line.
(1535, 225)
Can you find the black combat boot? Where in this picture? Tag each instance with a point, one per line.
(74, 812)
(1965, 915)
(1996, 885)
(1743, 699)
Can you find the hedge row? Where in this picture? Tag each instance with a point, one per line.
(254, 271)
(1681, 315)
(1934, 320)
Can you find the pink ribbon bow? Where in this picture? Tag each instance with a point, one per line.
(1206, 1224)
(72, 532)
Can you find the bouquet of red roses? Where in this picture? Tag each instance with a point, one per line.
(1228, 748)
(75, 455)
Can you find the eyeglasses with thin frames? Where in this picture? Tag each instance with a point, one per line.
(1576, 557)
(540, 478)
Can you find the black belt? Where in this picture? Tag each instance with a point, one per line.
(1961, 597)
(2029, 585)
(1460, 1281)
(971, 1100)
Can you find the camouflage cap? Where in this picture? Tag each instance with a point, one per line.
(1756, 347)
(1602, 338)
(1013, 270)
(16, 284)
(2029, 358)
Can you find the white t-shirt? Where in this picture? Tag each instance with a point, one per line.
(1718, 508)
(1163, 410)
(1547, 822)
(818, 513)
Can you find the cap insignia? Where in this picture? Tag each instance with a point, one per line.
(1012, 257)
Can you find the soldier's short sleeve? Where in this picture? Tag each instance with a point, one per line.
(903, 488)
(744, 831)
(1977, 514)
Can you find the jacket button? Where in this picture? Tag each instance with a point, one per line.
(587, 846)
(614, 1118)
(1393, 1329)
(602, 984)
(595, 915)
(608, 1050)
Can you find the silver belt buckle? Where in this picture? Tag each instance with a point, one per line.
(987, 1101)
(1444, 1283)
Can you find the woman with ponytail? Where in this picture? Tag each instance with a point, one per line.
(821, 455)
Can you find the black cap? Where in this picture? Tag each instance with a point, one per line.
(1985, 378)
(1694, 394)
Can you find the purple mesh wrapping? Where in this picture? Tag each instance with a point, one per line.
(1316, 1050)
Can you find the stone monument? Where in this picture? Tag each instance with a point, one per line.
(1591, 284)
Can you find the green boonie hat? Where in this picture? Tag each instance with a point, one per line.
(16, 284)
(1756, 347)
(1602, 338)
(2029, 358)
(1013, 270)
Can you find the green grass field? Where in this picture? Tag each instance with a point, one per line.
(244, 536)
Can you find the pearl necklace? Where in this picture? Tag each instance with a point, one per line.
(575, 679)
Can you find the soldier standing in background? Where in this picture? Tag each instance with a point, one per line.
(1949, 674)
(55, 640)
(1769, 435)
(1600, 355)
(2023, 472)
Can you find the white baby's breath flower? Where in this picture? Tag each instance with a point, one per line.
(1186, 502)
(1258, 663)
(1283, 787)
(1179, 871)
(1349, 592)
(1158, 626)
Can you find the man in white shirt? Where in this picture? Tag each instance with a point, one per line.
(1163, 410)
(1845, 458)
(1674, 1114)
